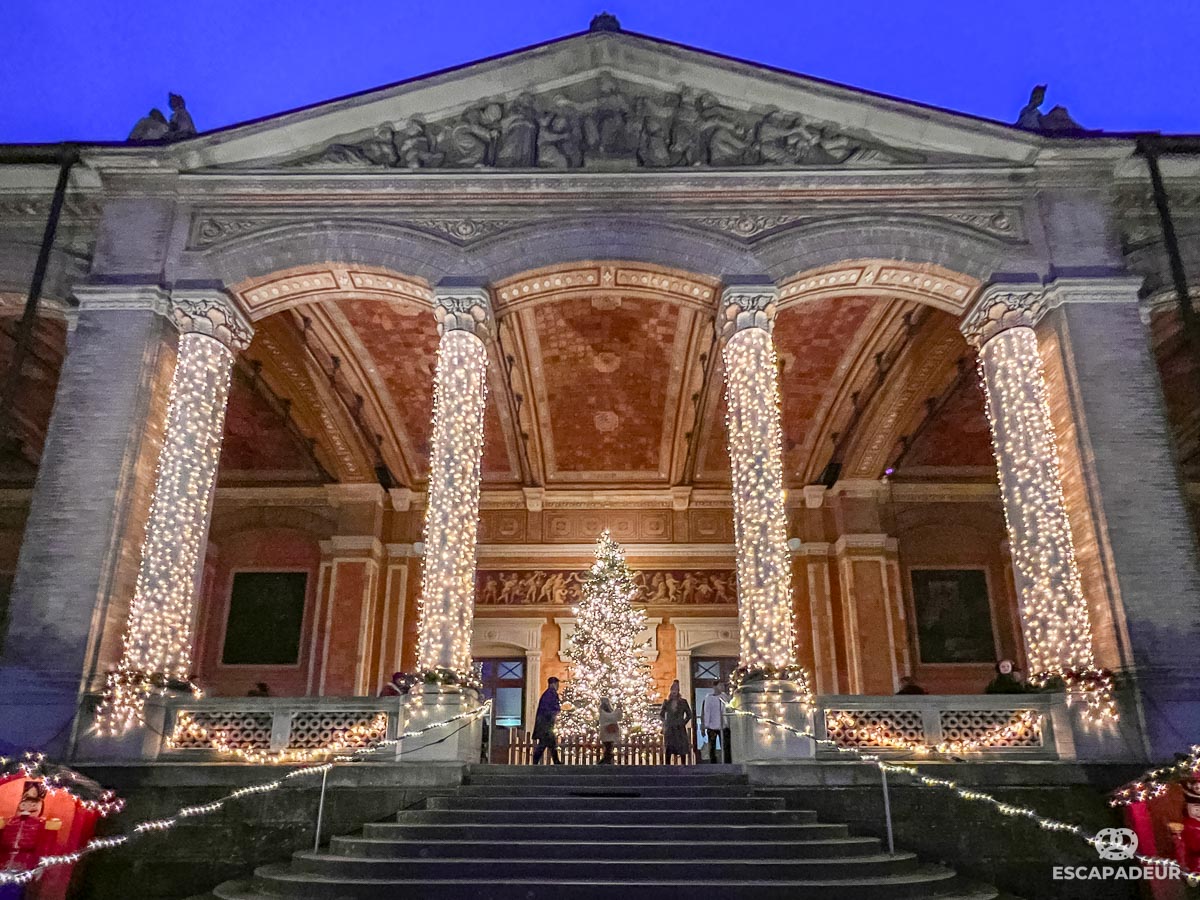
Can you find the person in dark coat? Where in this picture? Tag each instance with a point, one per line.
(1006, 680)
(676, 713)
(544, 737)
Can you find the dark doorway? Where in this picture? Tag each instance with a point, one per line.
(707, 673)
(504, 685)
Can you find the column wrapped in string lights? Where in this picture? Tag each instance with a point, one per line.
(1054, 611)
(764, 573)
(447, 603)
(157, 645)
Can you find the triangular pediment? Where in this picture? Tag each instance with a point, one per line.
(608, 101)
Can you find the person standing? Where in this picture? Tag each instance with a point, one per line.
(610, 729)
(544, 737)
(712, 720)
(676, 713)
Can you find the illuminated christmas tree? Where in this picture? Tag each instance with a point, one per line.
(605, 652)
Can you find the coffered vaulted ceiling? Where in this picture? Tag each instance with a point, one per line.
(603, 375)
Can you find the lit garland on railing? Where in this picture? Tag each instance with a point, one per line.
(764, 574)
(447, 602)
(203, 809)
(1154, 783)
(352, 738)
(158, 636)
(62, 780)
(1020, 726)
(1054, 612)
(1008, 809)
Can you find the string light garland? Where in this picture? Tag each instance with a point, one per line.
(157, 650)
(1154, 782)
(1054, 611)
(62, 780)
(1020, 726)
(1012, 810)
(764, 576)
(447, 602)
(147, 826)
(604, 651)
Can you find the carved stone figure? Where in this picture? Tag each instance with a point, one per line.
(181, 122)
(607, 125)
(151, 127)
(1057, 121)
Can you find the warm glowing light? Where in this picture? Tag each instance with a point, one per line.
(158, 637)
(447, 603)
(764, 574)
(605, 652)
(1054, 612)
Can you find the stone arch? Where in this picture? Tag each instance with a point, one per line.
(299, 245)
(550, 243)
(910, 240)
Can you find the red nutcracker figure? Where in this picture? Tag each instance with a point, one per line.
(1185, 835)
(28, 836)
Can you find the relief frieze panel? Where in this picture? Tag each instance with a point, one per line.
(579, 526)
(655, 588)
(605, 125)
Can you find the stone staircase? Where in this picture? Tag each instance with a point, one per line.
(569, 832)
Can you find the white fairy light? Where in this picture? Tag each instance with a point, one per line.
(760, 525)
(1054, 612)
(158, 637)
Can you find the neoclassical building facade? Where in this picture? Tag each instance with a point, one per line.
(880, 389)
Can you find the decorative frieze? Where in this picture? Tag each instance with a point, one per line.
(558, 588)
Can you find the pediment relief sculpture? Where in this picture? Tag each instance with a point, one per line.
(605, 125)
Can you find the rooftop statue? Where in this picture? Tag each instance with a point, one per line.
(155, 127)
(1057, 121)
(605, 125)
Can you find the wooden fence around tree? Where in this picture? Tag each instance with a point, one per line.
(633, 750)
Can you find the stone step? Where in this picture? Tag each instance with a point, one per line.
(704, 769)
(612, 816)
(608, 777)
(586, 789)
(503, 830)
(923, 883)
(451, 848)
(717, 806)
(711, 871)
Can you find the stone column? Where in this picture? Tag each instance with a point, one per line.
(447, 603)
(79, 556)
(765, 617)
(1123, 492)
(1054, 610)
(157, 644)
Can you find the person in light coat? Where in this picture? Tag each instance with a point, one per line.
(712, 720)
(610, 729)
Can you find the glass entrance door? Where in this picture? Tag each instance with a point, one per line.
(707, 673)
(504, 685)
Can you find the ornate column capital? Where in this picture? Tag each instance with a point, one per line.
(1004, 306)
(463, 306)
(747, 303)
(211, 312)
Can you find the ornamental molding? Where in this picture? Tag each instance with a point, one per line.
(930, 284)
(696, 631)
(584, 279)
(213, 314)
(522, 632)
(865, 543)
(1004, 223)
(750, 305)
(605, 125)
(283, 290)
(646, 639)
(212, 229)
(122, 297)
(463, 309)
(1004, 306)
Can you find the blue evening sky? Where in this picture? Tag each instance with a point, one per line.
(74, 69)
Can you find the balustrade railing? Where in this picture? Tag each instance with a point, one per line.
(634, 750)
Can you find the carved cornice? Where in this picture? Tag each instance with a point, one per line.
(463, 308)
(1001, 307)
(748, 305)
(122, 297)
(1004, 306)
(212, 313)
